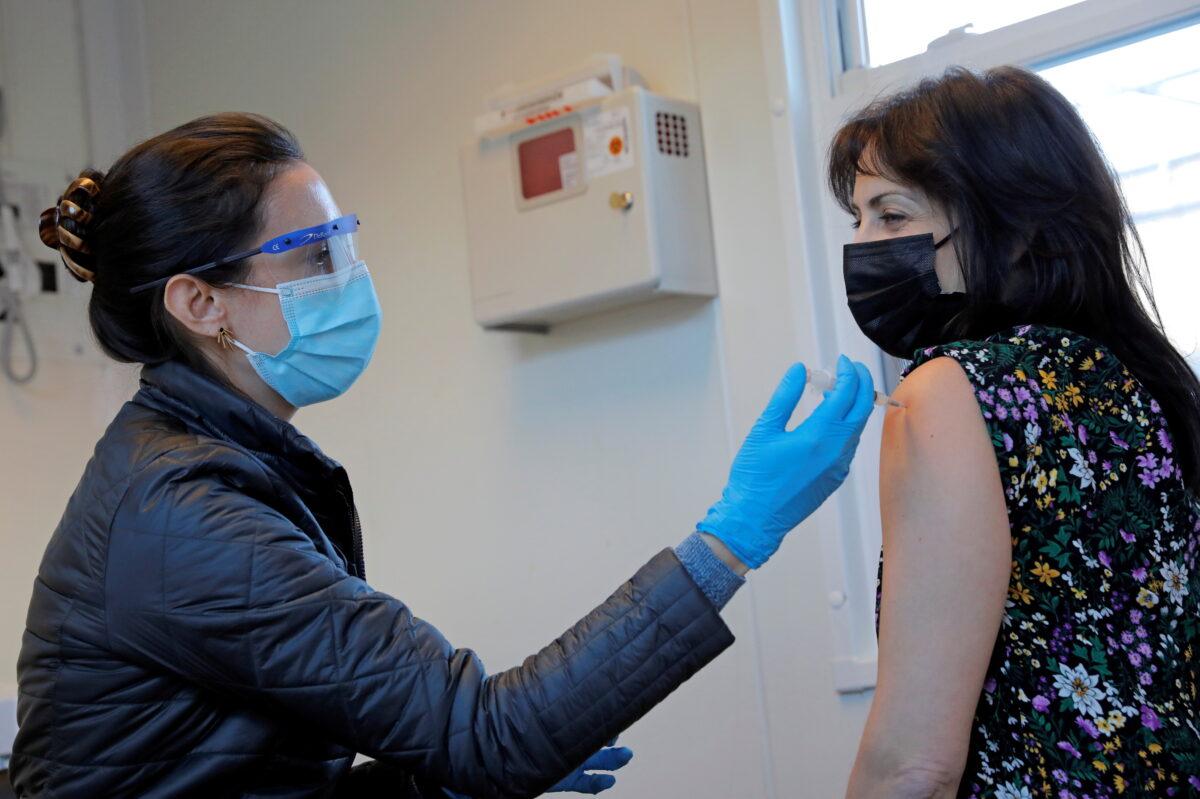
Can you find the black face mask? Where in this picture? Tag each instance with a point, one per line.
(894, 294)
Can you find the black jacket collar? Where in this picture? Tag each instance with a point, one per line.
(213, 409)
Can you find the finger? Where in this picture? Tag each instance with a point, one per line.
(864, 402)
(784, 400)
(593, 783)
(609, 759)
(841, 399)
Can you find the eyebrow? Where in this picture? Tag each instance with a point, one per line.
(877, 200)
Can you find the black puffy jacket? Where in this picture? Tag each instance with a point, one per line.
(200, 626)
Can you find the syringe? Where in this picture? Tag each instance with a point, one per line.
(823, 381)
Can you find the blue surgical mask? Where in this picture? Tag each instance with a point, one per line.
(334, 324)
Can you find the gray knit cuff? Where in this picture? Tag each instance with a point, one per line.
(709, 572)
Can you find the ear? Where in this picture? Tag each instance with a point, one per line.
(195, 305)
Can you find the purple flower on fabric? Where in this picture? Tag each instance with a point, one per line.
(1059, 775)
(1105, 559)
(1150, 718)
(1022, 394)
(1168, 468)
(986, 397)
(1135, 616)
(1149, 478)
(1128, 538)
(1154, 407)
(1135, 659)
(1148, 461)
(1141, 632)
(1145, 679)
(1194, 782)
(1116, 439)
(1041, 703)
(1005, 395)
(1069, 749)
(1088, 727)
(1164, 441)
(1127, 638)
(990, 685)
(1008, 443)
(1001, 412)
(1145, 649)
(1082, 435)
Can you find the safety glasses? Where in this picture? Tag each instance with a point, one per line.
(332, 249)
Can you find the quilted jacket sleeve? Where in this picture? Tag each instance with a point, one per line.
(208, 582)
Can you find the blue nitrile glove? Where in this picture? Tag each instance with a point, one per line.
(610, 758)
(579, 781)
(778, 477)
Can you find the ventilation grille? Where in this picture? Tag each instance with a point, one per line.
(672, 134)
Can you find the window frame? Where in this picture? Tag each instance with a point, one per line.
(816, 52)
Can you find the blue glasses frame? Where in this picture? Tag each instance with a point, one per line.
(341, 226)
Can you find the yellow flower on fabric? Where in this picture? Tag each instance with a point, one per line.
(1020, 373)
(1078, 592)
(1020, 592)
(1013, 462)
(1049, 379)
(1045, 573)
(1087, 365)
(1154, 748)
(1116, 719)
(1099, 766)
(1119, 782)
(1074, 395)
(1147, 598)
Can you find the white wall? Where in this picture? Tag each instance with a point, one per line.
(48, 427)
(507, 483)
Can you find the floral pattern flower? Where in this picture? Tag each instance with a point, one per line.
(1094, 685)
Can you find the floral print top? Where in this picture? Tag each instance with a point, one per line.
(1092, 686)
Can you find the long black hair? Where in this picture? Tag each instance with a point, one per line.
(1044, 235)
(184, 197)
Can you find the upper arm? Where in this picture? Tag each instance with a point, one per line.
(947, 555)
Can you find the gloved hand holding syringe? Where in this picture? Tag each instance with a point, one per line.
(824, 381)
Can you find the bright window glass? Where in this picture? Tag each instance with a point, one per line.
(898, 30)
(1142, 102)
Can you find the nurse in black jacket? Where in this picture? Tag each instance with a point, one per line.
(201, 623)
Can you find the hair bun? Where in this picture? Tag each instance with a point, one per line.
(65, 226)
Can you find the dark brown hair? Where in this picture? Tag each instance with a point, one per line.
(1017, 171)
(175, 201)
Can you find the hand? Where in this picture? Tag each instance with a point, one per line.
(578, 781)
(608, 759)
(778, 477)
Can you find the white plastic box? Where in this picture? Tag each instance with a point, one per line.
(587, 206)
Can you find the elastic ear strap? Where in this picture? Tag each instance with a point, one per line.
(241, 346)
(259, 289)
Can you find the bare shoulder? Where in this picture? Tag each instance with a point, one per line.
(939, 412)
(938, 440)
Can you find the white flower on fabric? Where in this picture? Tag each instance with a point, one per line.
(1082, 469)
(1013, 790)
(1175, 577)
(1032, 433)
(1081, 687)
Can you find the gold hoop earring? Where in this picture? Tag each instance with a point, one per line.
(224, 339)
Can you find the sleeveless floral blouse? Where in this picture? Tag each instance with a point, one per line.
(1092, 686)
